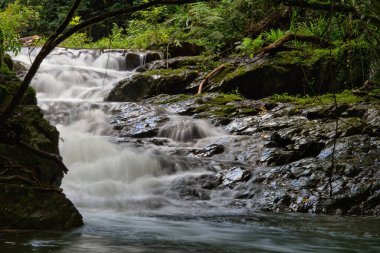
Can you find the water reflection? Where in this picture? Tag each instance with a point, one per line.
(203, 231)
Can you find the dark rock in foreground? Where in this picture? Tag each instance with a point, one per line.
(26, 207)
(30, 197)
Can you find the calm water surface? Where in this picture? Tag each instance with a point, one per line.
(203, 231)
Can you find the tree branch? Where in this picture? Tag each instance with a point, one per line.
(275, 20)
(331, 6)
(43, 154)
(111, 14)
(211, 74)
(45, 50)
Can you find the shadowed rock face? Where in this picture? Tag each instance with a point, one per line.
(134, 60)
(29, 183)
(25, 207)
(292, 72)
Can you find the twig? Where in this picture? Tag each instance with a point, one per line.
(208, 76)
(54, 157)
(20, 178)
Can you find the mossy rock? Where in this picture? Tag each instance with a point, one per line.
(25, 207)
(152, 83)
(8, 61)
(297, 72)
(200, 62)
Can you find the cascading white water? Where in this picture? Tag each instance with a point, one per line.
(188, 130)
(71, 86)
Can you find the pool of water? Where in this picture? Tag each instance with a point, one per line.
(203, 231)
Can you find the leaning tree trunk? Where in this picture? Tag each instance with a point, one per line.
(1, 49)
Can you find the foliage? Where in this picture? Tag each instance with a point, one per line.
(13, 20)
(77, 40)
(272, 35)
(249, 46)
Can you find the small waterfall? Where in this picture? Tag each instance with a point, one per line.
(71, 86)
(110, 61)
(184, 129)
(142, 59)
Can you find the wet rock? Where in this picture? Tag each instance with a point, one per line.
(373, 119)
(195, 188)
(30, 197)
(19, 69)
(25, 207)
(181, 49)
(149, 84)
(287, 72)
(138, 121)
(209, 151)
(234, 175)
(159, 142)
(277, 140)
(321, 112)
(134, 60)
(288, 155)
(292, 153)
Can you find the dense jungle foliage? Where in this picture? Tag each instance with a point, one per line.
(226, 27)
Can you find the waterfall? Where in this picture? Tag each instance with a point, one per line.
(142, 59)
(71, 86)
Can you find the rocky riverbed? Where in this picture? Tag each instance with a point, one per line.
(265, 155)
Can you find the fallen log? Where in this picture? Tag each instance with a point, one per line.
(30, 40)
(277, 45)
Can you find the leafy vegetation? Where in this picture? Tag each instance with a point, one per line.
(13, 20)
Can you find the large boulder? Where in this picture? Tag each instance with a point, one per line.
(181, 49)
(152, 83)
(295, 72)
(30, 196)
(134, 60)
(27, 207)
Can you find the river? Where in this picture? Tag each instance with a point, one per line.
(126, 194)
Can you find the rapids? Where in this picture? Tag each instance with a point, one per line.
(125, 192)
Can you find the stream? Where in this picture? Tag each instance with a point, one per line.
(127, 193)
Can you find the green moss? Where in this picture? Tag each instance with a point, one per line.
(173, 99)
(221, 75)
(221, 105)
(24, 207)
(165, 72)
(237, 72)
(9, 84)
(345, 97)
(28, 119)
